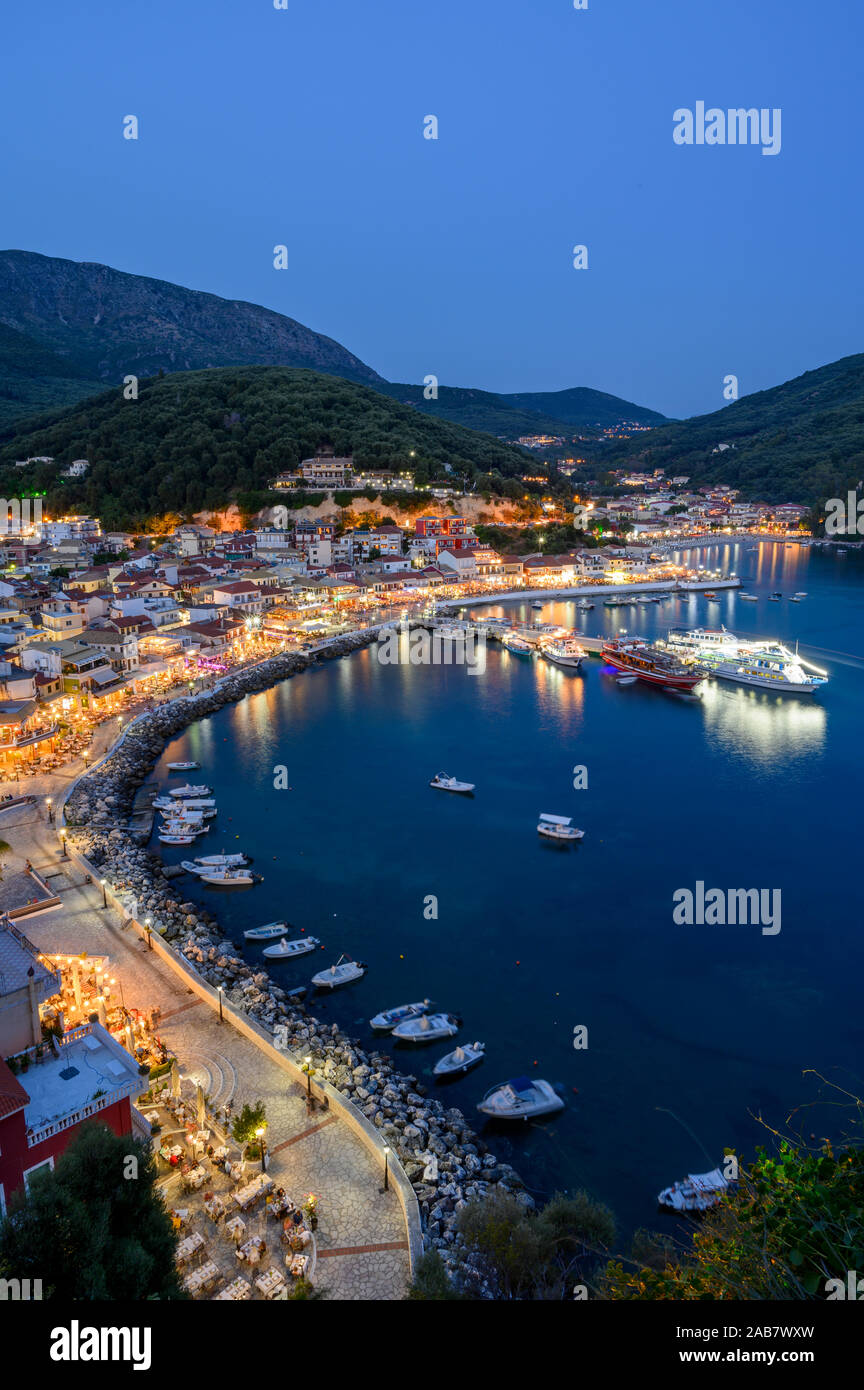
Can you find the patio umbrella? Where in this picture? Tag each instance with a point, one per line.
(199, 1102)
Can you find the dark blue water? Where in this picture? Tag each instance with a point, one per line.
(737, 788)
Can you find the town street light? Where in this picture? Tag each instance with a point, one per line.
(50, 812)
(260, 1137)
(220, 989)
(103, 882)
(386, 1187)
(147, 930)
(63, 843)
(308, 1078)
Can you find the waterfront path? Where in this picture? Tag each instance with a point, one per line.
(362, 1238)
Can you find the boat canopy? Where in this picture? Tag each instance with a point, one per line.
(555, 820)
(521, 1084)
(708, 1182)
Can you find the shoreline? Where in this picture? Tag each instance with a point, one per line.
(443, 1160)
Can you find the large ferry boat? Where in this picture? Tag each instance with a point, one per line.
(766, 664)
(652, 664)
(565, 652)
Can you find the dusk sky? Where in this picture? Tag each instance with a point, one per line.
(454, 257)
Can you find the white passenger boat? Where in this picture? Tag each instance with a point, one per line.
(342, 973)
(748, 598)
(770, 669)
(698, 1192)
(189, 790)
(537, 604)
(520, 1099)
(558, 827)
(460, 1060)
(228, 878)
(221, 861)
(182, 767)
(566, 653)
(450, 784)
(389, 1018)
(427, 1028)
(287, 950)
(268, 932)
(516, 645)
(584, 606)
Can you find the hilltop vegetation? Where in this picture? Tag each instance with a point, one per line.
(799, 442)
(552, 412)
(198, 440)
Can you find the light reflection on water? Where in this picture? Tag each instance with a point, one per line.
(762, 727)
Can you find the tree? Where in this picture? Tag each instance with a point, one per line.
(251, 1118)
(431, 1282)
(95, 1227)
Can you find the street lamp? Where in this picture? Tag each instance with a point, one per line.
(103, 882)
(220, 989)
(259, 1133)
(308, 1067)
(147, 930)
(386, 1187)
(63, 843)
(50, 812)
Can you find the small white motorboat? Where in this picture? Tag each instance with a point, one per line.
(342, 973)
(520, 1099)
(450, 784)
(221, 861)
(287, 950)
(268, 932)
(172, 839)
(192, 803)
(558, 828)
(748, 598)
(698, 1192)
(584, 606)
(189, 790)
(192, 829)
(461, 1060)
(389, 1018)
(428, 1028)
(537, 604)
(800, 593)
(228, 878)
(626, 680)
(182, 767)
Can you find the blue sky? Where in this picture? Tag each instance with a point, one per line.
(304, 127)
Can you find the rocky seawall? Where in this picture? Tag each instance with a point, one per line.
(445, 1161)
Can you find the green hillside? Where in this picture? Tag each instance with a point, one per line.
(195, 440)
(799, 442)
(555, 412)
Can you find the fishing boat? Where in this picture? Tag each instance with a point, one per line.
(566, 652)
(342, 973)
(516, 645)
(189, 790)
(698, 1192)
(748, 598)
(182, 767)
(450, 784)
(709, 593)
(558, 828)
(520, 1099)
(228, 878)
(427, 1028)
(267, 932)
(460, 1060)
(222, 861)
(651, 664)
(389, 1018)
(164, 803)
(187, 828)
(287, 950)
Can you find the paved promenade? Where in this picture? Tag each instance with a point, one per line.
(362, 1244)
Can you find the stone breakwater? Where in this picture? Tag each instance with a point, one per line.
(446, 1163)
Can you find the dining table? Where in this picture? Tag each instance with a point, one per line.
(270, 1283)
(252, 1251)
(188, 1247)
(201, 1278)
(237, 1291)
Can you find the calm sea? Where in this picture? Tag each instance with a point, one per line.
(694, 1032)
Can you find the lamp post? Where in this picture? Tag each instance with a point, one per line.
(386, 1187)
(259, 1134)
(308, 1065)
(103, 882)
(220, 990)
(147, 930)
(63, 843)
(50, 812)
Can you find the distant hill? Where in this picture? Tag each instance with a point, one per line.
(69, 328)
(802, 441)
(195, 440)
(510, 416)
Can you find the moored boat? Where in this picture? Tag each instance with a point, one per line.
(748, 598)
(558, 828)
(172, 838)
(445, 783)
(427, 1028)
(516, 645)
(698, 1192)
(220, 861)
(189, 790)
(287, 950)
(342, 973)
(460, 1060)
(520, 1099)
(229, 878)
(389, 1018)
(182, 767)
(267, 932)
(651, 664)
(566, 653)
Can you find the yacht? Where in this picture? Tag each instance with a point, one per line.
(267, 932)
(460, 1060)
(427, 1028)
(389, 1018)
(342, 973)
(189, 790)
(450, 784)
(516, 645)
(558, 828)
(182, 767)
(698, 1192)
(520, 1099)
(287, 950)
(565, 652)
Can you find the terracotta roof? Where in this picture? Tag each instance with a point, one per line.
(13, 1097)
